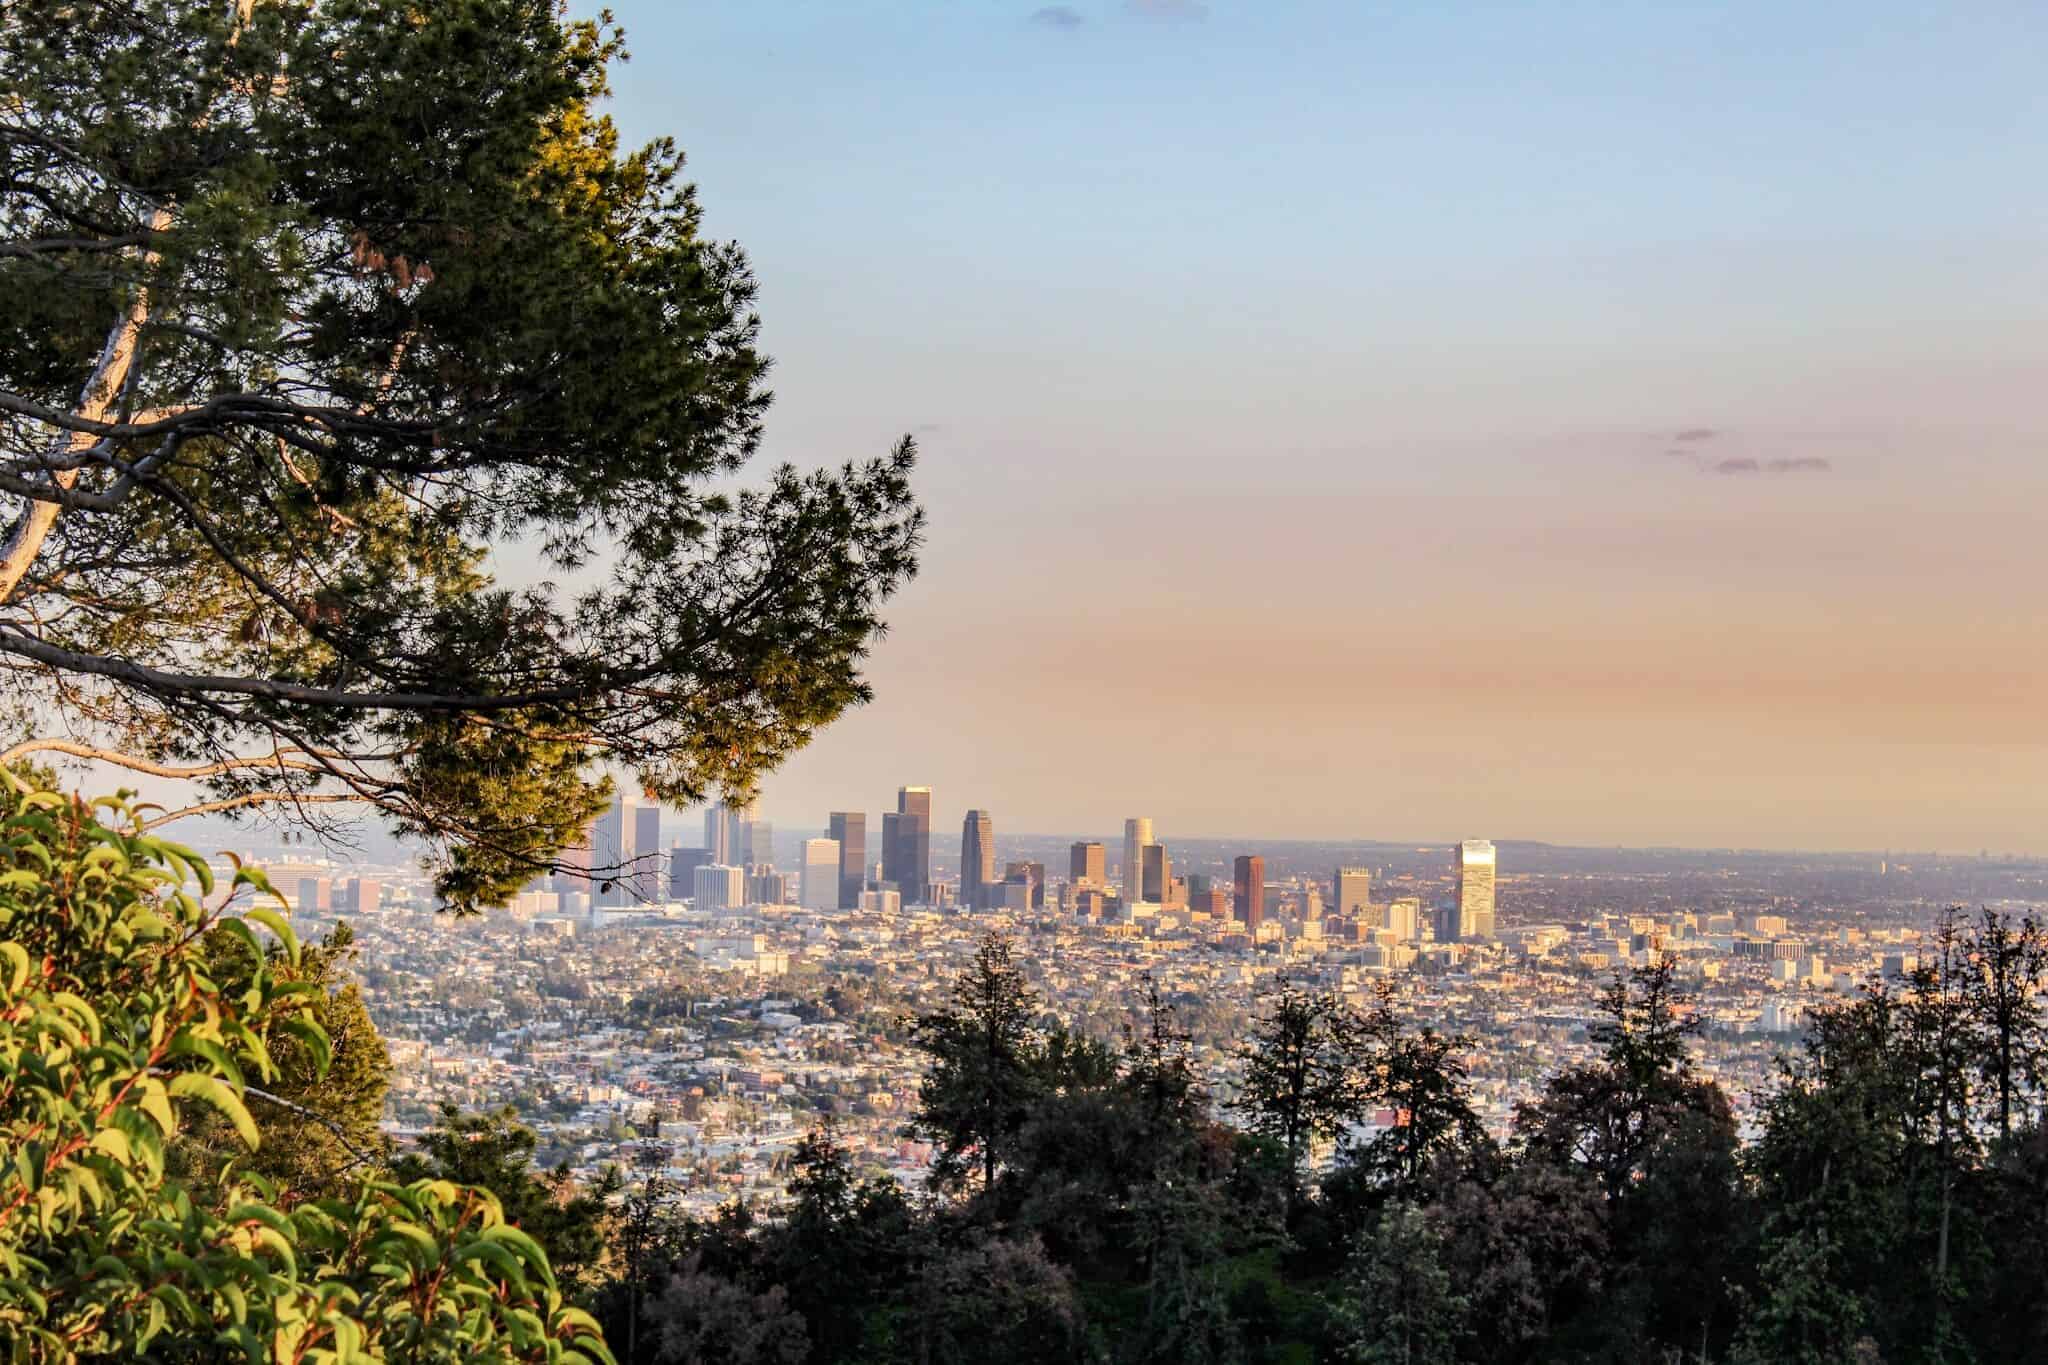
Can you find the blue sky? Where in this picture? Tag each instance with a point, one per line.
(1299, 384)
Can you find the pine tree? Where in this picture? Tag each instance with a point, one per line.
(986, 1060)
(311, 308)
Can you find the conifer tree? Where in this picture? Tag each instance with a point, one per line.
(333, 335)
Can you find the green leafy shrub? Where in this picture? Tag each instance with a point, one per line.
(119, 1026)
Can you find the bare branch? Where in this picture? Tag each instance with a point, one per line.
(136, 763)
(249, 799)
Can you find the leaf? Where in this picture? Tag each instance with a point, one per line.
(114, 1143)
(211, 1091)
(16, 958)
(528, 1249)
(278, 925)
(157, 1105)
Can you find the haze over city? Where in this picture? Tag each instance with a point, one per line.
(1337, 421)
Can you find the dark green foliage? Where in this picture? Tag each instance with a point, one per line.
(308, 310)
(702, 1319)
(988, 1062)
(1529, 1249)
(1401, 1304)
(1659, 1145)
(1301, 1081)
(1422, 1078)
(2007, 960)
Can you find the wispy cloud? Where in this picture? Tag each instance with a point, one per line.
(1684, 446)
(1176, 10)
(1058, 16)
(1800, 464)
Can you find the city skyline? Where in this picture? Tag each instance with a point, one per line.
(682, 826)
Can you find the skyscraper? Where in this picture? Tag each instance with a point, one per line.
(682, 871)
(1030, 874)
(977, 860)
(821, 874)
(729, 834)
(646, 877)
(1353, 891)
(1137, 834)
(736, 836)
(572, 865)
(907, 845)
(892, 851)
(1085, 865)
(1158, 879)
(849, 828)
(1404, 917)
(611, 854)
(1475, 868)
(1250, 886)
(721, 887)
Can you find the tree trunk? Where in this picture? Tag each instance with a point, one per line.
(95, 404)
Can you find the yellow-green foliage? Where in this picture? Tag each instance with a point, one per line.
(114, 1025)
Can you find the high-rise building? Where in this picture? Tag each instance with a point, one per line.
(821, 874)
(646, 875)
(1404, 917)
(1158, 869)
(1353, 891)
(1027, 874)
(1137, 834)
(907, 845)
(766, 886)
(718, 835)
(682, 870)
(360, 896)
(611, 854)
(1085, 865)
(316, 895)
(735, 836)
(572, 864)
(1308, 903)
(977, 861)
(893, 858)
(1250, 879)
(849, 828)
(1475, 868)
(721, 886)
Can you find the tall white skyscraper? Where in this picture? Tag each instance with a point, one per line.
(1476, 867)
(821, 874)
(1137, 837)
